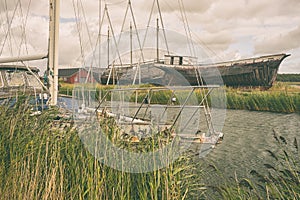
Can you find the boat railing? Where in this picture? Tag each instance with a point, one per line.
(128, 65)
(227, 63)
(141, 103)
(247, 61)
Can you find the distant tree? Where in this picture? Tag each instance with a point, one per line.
(288, 77)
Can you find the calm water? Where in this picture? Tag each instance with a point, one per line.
(248, 134)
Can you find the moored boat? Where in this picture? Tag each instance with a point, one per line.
(251, 72)
(17, 80)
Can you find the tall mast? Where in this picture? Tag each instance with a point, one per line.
(157, 40)
(108, 35)
(53, 50)
(99, 34)
(130, 44)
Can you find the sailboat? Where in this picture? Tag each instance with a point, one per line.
(24, 80)
(250, 72)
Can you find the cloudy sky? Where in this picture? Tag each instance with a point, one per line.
(227, 30)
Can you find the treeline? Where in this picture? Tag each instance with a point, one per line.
(288, 77)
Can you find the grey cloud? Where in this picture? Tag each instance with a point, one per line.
(217, 23)
(279, 42)
(218, 41)
(189, 5)
(233, 9)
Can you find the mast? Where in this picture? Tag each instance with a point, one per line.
(99, 39)
(53, 50)
(108, 35)
(157, 40)
(130, 44)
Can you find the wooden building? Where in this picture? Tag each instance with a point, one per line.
(76, 75)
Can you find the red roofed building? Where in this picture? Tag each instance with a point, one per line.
(76, 75)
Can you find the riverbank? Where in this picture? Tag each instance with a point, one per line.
(281, 98)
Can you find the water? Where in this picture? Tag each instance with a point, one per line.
(248, 134)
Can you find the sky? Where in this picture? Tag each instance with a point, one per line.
(227, 30)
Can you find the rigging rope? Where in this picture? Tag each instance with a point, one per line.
(90, 41)
(77, 9)
(9, 23)
(9, 31)
(195, 36)
(148, 24)
(24, 39)
(136, 30)
(163, 27)
(162, 24)
(116, 3)
(35, 76)
(113, 34)
(186, 28)
(78, 25)
(129, 6)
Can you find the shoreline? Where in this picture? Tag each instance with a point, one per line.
(283, 97)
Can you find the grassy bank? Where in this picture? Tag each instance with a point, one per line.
(42, 157)
(281, 98)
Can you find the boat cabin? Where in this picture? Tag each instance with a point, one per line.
(179, 60)
(15, 79)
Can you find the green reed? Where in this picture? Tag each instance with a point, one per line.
(42, 157)
(264, 101)
(281, 98)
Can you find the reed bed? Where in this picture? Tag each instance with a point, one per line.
(273, 102)
(42, 157)
(281, 98)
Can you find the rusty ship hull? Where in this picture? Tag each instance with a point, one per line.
(252, 72)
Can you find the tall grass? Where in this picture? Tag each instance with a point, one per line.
(264, 101)
(281, 98)
(42, 157)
